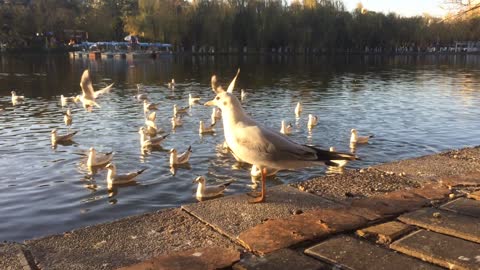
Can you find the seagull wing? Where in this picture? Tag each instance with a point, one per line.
(86, 85)
(103, 91)
(232, 83)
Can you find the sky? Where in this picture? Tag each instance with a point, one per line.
(402, 7)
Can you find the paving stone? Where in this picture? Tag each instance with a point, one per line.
(392, 203)
(12, 257)
(462, 180)
(231, 215)
(285, 259)
(356, 183)
(193, 259)
(276, 234)
(347, 252)
(475, 195)
(125, 242)
(464, 206)
(385, 233)
(444, 250)
(445, 222)
(432, 191)
(431, 167)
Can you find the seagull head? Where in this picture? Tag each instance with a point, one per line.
(223, 100)
(91, 150)
(13, 93)
(54, 131)
(353, 131)
(173, 150)
(199, 179)
(110, 166)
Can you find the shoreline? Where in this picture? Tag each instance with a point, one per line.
(298, 221)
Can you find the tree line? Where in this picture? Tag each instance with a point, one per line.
(231, 25)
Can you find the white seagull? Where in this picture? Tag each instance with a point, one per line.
(216, 114)
(206, 130)
(67, 118)
(193, 100)
(140, 96)
(263, 147)
(243, 94)
(117, 179)
(150, 121)
(178, 111)
(16, 98)
(312, 121)
(64, 100)
(171, 84)
(176, 121)
(298, 109)
(176, 159)
(354, 138)
(286, 129)
(146, 144)
(88, 94)
(55, 138)
(148, 106)
(204, 192)
(97, 159)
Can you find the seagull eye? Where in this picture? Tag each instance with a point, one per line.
(217, 98)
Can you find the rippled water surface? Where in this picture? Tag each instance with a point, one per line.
(413, 105)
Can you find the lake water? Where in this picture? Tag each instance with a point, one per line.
(413, 105)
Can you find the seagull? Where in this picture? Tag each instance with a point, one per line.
(192, 100)
(64, 100)
(148, 143)
(263, 147)
(206, 130)
(177, 111)
(140, 96)
(216, 114)
(286, 129)
(150, 120)
(98, 159)
(204, 192)
(176, 159)
(171, 84)
(117, 179)
(354, 138)
(176, 121)
(312, 121)
(256, 172)
(148, 106)
(16, 98)
(298, 109)
(55, 138)
(243, 95)
(67, 118)
(88, 94)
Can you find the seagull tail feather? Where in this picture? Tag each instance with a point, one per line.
(327, 156)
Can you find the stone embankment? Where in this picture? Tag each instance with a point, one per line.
(421, 213)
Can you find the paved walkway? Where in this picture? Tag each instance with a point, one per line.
(421, 213)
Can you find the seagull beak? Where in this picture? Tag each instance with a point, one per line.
(209, 103)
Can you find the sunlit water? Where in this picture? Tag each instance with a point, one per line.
(413, 105)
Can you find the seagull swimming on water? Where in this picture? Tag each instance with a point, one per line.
(183, 158)
(286, 129)
(16, 98)
(193, 100)
(312, 121)
(117, 179)
(55, 138)
(67, 118)
(97, 159)
(354, 138)
(256, 144)
(206, 130)
(298, 109)
(205, 192)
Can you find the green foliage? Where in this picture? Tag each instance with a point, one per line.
(231, 25)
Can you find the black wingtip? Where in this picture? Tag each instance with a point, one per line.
(165, 136)
(189, 148)
(108, 153)
(141, 171)
(227, 184)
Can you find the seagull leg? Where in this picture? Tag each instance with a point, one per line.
(263, 194)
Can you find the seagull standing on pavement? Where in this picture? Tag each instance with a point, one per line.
(256, 144)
